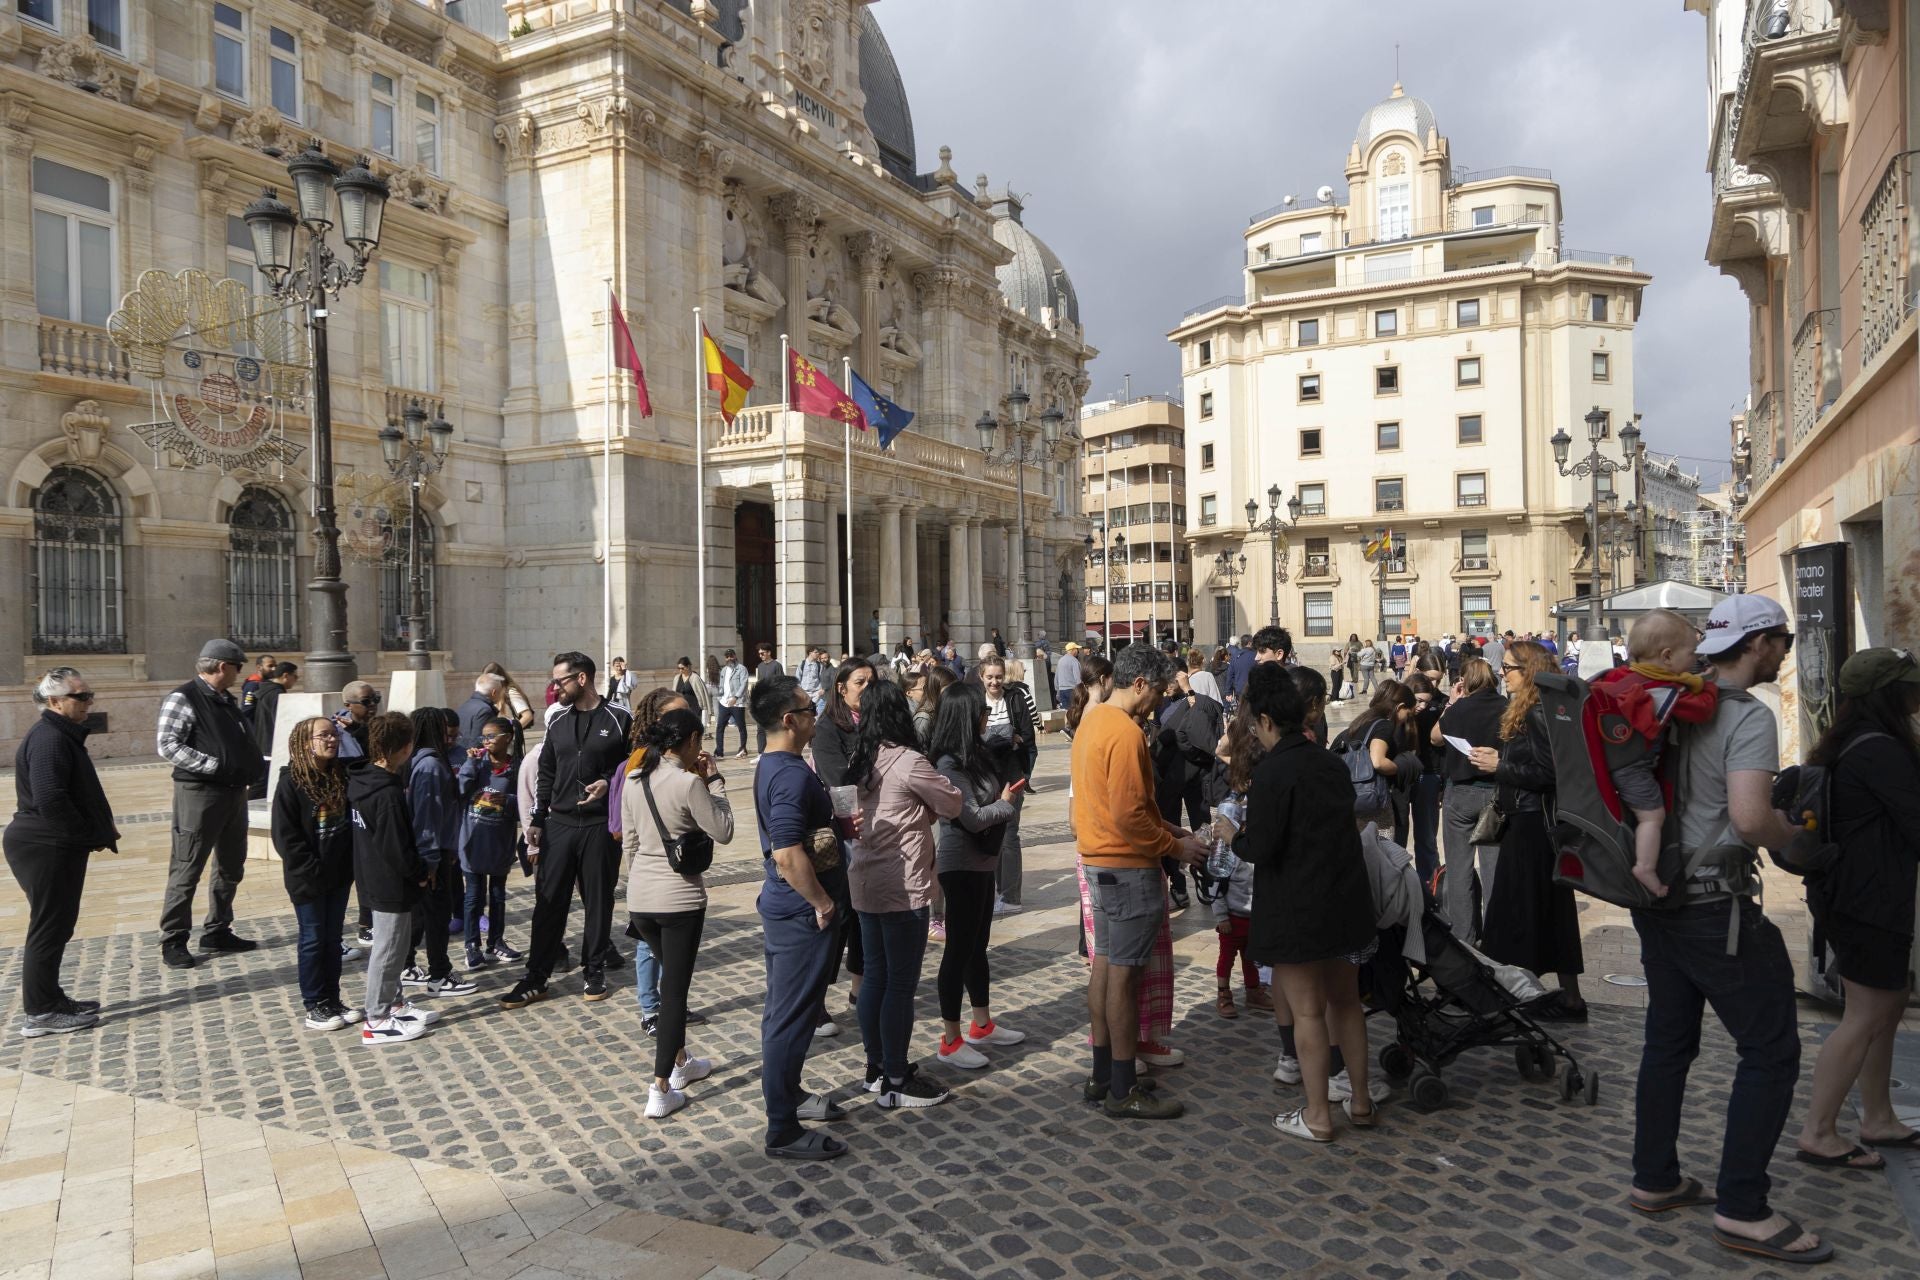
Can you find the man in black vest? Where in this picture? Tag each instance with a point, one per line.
(207, 740)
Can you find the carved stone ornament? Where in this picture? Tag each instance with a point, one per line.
(85, 428)
(415, 186)
(606, 114)
(810, 22)
(79, 62)
(743, 243)
(266, 130)
(379, 14)
(517, 134)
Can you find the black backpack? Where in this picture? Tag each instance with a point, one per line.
(1805, 793)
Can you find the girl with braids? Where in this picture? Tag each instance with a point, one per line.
(672, 775)
(314, 838)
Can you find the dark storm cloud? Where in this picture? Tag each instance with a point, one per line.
(1146, 132)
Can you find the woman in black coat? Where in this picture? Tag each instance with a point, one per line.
(1530, 921)
(1863, 906)
(1312, 901)
(313, 835)
(834, 734)
(61, 816)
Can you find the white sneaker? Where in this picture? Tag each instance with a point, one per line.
(993, 1034)
(1001, 907)
(408, 1011)
(963, 1055)
(827, 1029)
(349, 1014)
(321, 1017)
(689, 1071)
(392, 1031)
(414, 976)
(1287, 1071)
(449, 986)
(348, 953)
(661, 1105)
(1340, 1088)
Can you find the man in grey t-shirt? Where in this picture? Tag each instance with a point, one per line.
(1715, 946)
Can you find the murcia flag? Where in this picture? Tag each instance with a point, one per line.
(626, 356)
(811, 391)
(724, 376)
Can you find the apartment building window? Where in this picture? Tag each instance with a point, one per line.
(1307, 333)
(1209, 510)
(1470, 429)
(1476, 610)
(1386, 324)
(1319, 613)
(73, 233)
(1602, 367)
(46, 12)
(1396, 606)
(426, 131)
(1467, 371)
(106, 23)
(261, 583)
(1470, 489)
(1309, 388)
(1386, 436)
(1386, 380)
(1395, 208)
(230, 51)
(406, 325)
(76, 566)
(383, 115)
(1310, 242)
(283, 72)
(1389, 495)
(1473, 549)
(1266, 252)
(1597, 307)
(1310, 443)
(1206, 351)
(1466, 313)
(1206, 404)
(1319, 556)
(1206, 457)
(1483, 216)
(1313, 499)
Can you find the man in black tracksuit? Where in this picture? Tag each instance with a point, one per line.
(567, 834)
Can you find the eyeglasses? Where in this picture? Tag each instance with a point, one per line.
(1508, 666)
(325, 735)
(495, 737)
(807, 710)
(85, 695)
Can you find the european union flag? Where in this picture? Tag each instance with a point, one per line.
(883, 414)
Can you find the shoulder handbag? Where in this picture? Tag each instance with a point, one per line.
(690, 854)
(1489, 826)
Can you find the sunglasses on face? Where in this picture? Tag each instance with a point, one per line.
(372, 700)
(1781, 635)
(85, 695)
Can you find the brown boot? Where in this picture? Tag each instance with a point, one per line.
(1225, 1004)
(1259, 998)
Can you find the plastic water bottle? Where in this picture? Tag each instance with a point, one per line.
(1220, 862)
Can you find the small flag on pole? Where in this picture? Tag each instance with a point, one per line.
(814, 392)
(627, 356)
(883, 414)
(724, 376)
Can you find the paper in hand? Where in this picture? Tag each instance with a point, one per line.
(1461, 745)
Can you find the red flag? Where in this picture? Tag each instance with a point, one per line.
(626, 356)
(814, 392)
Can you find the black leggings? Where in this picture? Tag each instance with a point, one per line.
(969, 924)
(674, 939)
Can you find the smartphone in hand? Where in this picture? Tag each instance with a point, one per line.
(1017, 786)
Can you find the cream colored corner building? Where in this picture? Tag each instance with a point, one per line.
(1399, 360)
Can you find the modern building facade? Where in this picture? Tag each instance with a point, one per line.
(755, 161)
(1134, 494)
(1812, 115)
(1398, 360)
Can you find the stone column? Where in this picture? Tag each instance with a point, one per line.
(976, 581)
(890, 610)
(959, 576)
(521, 409)
(796, 215)
(870, 254)
(910, 575)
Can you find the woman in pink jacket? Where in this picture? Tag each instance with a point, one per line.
(890, 875)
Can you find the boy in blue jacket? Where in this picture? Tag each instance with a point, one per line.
(389, 872)
(489, 784)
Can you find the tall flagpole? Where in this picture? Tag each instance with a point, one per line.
(606, 498)
(846, 601)
(1106, 556)
(780, 497)
(1153, 568)
(700, 490)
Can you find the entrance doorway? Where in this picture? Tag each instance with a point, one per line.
(753, 545)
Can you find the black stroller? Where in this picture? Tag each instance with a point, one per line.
(1461, 1000)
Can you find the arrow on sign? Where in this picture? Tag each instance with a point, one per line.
(1818, 616)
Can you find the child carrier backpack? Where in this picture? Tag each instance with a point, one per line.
(1369, 788)
(1805, 793)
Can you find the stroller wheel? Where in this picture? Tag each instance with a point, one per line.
(1429, 1091)
(1593, 1089)
(1526, 1060)
(1397, 1061)
(1570, 1082)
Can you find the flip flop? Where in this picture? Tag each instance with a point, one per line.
(1775, 1245)
(1842, 1161)
(1689, 1194)
(813, 1145)
(1911, 1142)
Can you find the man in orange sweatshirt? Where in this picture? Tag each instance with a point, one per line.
(1122, 839)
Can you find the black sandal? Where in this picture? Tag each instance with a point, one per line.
(1845, 1160)
(1911, 1142)
(812, 1145)
(1775, 1245)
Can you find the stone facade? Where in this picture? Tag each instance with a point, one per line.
(757, 164)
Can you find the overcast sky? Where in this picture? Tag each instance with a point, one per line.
(1146, 131)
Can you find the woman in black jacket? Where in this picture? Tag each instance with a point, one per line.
(1863, 907)
(834, 734)
(61, 816)
(1312, 903)
(1530, 921)
(314, 838)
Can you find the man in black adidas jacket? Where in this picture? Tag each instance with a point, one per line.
(567, 836)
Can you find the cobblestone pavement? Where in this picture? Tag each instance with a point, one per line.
(1016, 1177)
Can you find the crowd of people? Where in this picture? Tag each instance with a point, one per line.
(887, 799)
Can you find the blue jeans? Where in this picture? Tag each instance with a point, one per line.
(1683, 952)
(896, 945)
(738, 715)
(798, 954)
(646, 979)
(486, 895)
(320, 923)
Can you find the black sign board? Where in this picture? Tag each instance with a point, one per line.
(1821, 609)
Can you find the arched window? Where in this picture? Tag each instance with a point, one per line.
(76, 565)
(261, 587)
(395, 584)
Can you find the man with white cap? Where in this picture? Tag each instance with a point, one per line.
(1715, 946)
(215, 760)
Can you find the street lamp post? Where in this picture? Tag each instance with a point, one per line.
(1017, 456)
(1106, 554)
(1274, 527)
(411, 459)
(362, 200)
(1596, 464)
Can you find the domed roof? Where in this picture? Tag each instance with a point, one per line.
(1395, 112)
(887, 112)
(1036, 280)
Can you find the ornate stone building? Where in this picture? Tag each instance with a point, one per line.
(754, 160)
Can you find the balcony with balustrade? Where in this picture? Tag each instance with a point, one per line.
(1887, 250)
(81, 351)
(1791, 86)
(1816, 372)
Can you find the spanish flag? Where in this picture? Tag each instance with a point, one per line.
(724, 376)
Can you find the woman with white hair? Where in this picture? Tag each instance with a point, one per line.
(61, 817)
